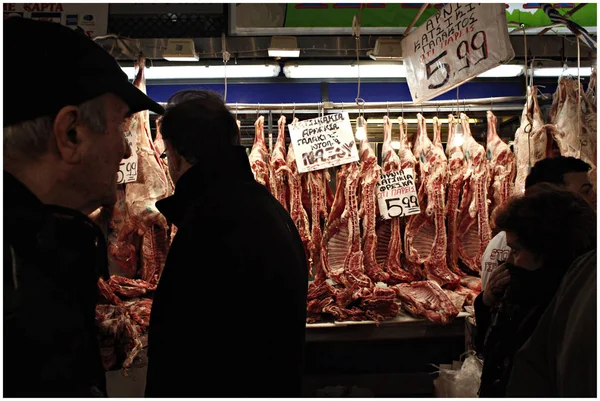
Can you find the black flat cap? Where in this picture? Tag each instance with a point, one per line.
(48, 66)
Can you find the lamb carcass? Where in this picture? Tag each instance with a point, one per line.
(473, 219)
(502, 166)
(389, 240)
(572, 134)
(259, 155)
(279, 168)
(341, 254)
(425, 236)
(533, 140)
(317, 184)
(369, 176)
(142, 223)
(426, 299)
(456, 169)
(297, 211)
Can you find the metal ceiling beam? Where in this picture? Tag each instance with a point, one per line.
(315, 47)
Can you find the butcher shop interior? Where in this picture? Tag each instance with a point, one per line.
(439, 110)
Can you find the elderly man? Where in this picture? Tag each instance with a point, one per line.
(66, 106)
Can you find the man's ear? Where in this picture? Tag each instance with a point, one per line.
(66, 135)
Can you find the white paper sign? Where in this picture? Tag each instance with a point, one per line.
(397, 195)
(91, 18)
(458, 43)
(128, 167)
(323, 142)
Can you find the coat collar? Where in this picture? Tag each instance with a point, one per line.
(201, 179)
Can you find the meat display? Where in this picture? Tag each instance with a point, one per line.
(426, 298)
(123, 320)
(297, 210)
(457, 168)
(279, 169)
(425, 236)
(259, 155)
(502, 167)
(389, 240)
(473, 217)
(533, 141)
(368, 210)
(573, 136)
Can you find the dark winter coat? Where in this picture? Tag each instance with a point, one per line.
(559, 360)
(53, 258)
(228, 316)
(506, 326)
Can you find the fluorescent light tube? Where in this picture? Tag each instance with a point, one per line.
(207, 72)
(503, 71)
(181, 58)
(378, 70)
(284, 53)
(414, 120)
(558, 71)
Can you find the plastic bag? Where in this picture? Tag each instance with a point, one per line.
(460, 380)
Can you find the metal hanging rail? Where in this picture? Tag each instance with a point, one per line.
(506, 103)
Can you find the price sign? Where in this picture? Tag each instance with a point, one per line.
(128, 167)
(397, 195)
(455, 45)
(323, 142)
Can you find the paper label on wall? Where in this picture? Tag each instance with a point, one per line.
(397, 194)
(323, 142)
(128, 167)
(455, 45)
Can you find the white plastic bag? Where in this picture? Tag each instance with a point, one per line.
(459, 382)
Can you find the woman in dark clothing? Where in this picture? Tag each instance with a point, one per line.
(546, 230)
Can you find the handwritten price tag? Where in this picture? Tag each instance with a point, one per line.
(397, 195)
(455, 45)
(323, 142)
(128, 167)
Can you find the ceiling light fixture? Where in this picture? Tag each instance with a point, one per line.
(503, 71)
(367, 70)
(180, 50)
(175, 72)
(386, 49)
(559, 71)
(284, 46)
(415, 121)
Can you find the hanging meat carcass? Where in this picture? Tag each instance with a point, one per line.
(137, 225)
(437, 133)
(502, 167)
(279, 168)
(590, 93)
(571, 133)
(297, 211)
(259, 155)
(425, 236)
(456, 169)
(369, 176)
(317, 184)
(389, 240)
(407, 160)
(426, 299)
(341, 254)
(533, 140)
(473, 231)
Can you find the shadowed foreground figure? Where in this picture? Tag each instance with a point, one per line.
(228, 317)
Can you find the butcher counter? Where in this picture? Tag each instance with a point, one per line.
(393, 359)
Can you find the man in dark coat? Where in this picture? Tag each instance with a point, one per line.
(66, 100)
(228, 317)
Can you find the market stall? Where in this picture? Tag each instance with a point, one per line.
(394, 200)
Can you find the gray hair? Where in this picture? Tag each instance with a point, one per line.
(29, 139)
